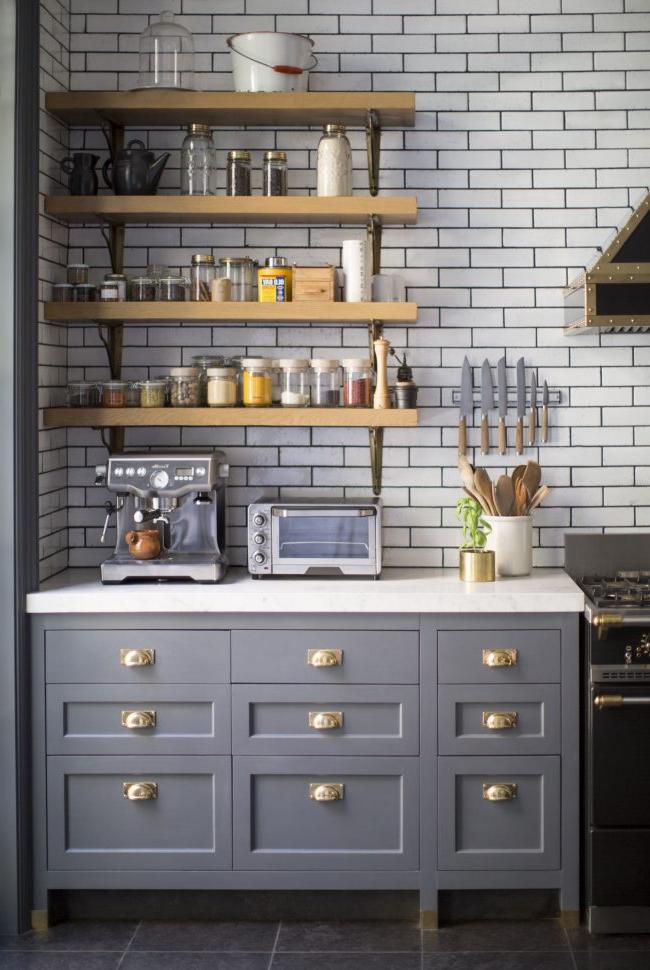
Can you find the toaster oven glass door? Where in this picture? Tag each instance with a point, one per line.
(327, 537)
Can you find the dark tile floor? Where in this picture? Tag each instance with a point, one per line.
(485, 945)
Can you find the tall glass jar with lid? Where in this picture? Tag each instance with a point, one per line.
(203, 362)
(166, 55)
(326, 383)
(294, 378)
(201, 277)
(257, 382)
(274, 173)
(334, 165)
(238, 173)
(198, 162)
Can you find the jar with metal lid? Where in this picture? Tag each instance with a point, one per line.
(203, 362)
(274, 173)
(240, 270)
(84, 293)
(173, 289)
(198, 162)
(164, 380)
(81, 394)
(326, 383)
(294, 378)
(152, 394)
(132, 396)
(113, 394)
(238, 173)
(77, 273)
(257, 382)
(184, 387)
(109, 292)
(143, 289)
(334, 163)
(222, 387)
(202, 274)
(62, 292)
(357, 382)
(274, 281)
(121, 282)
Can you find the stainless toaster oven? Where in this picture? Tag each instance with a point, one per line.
(312, 537)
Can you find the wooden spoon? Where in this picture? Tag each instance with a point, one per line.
(532, 476)
(504, 495)
(517, 474)
(466, 470)
(538, 498)
(483, 485)
(521, 498)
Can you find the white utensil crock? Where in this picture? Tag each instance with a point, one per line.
(511, 539)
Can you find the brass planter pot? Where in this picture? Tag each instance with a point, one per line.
(477, 567)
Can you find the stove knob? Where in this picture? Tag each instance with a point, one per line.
(259, 558)
(259, 519)
(258, 539)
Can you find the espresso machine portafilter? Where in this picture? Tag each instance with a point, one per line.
(183, 496)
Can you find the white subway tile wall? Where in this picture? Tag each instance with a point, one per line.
(532, 144)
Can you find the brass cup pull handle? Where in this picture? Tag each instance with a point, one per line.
(325, 658)
(139, 791)
(603, 701)
(136, 720)
(499, 720)
(327, 792)
(325, 720)
(500, 792)
(137, 658)
(500, 658)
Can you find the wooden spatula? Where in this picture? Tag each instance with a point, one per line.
(504, 494)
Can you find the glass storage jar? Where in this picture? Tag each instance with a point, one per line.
(166, 55)
(173, 289)
(113, 394)
(143, 289)
(132, 396)
(274, 281)
(326, 383)
(238, 173)
(152, 394)
(357, 382)
(201, 276)
(257, 382)
(274, 173)
(81, 394)
(77, 273)
(240, 270)
(222, 387)
(184, 387)
(109, 292)
(62, 292)
(164, 380)
(84, 293)
(294, 380)
(334, 163)
(120, 280)
(203, 362)
(198, 162)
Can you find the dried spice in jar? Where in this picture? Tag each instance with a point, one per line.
(184, 387)
(238, 173)
(81, 394)
(294, 378)
(152, 394)
(357, 383)
(326, 383)
(173, 289)
(274, 173)
(113, 394)
(62, 292)
(257, 382)
(121, 281)
(143, 289)
(222, 387)
(132, 397)
(84, 293)
(202, 275)
(109, 292)
(77, 273)
(202, 362)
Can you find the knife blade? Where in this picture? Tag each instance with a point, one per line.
(545, 413)
(532, 413)
(502, 385)
(466, 405)
(521, 406)
(487, 404)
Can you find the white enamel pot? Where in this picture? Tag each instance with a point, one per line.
(266, 60)
(511, 539)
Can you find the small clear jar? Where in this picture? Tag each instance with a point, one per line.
(109, 292)
(114, 394)
(274, 173)
(198, 162)
(153, 394)
(120, 280)
(81, 394)
(143, 289)
(173, 289)
(222, 387)
(203, 362)
(62, 293)
(325, 383)
(132, 396)
(184, 387)
(240, 270)
(294, 382)
(357, 382)
(202, 274)
(84, 293)
(238, 173)
(257, 382)
(77, 273)
(164, 380)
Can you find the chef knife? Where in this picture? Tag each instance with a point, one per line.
(502, 385)
(487, 404)
(532, 413)
(521, 406)
(466, 405)
(545, 413)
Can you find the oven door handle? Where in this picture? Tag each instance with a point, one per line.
(605, 701)
(354, 513)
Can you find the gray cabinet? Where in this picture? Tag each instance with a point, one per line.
(499, 656)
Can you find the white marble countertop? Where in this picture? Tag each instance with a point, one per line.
(398, 591)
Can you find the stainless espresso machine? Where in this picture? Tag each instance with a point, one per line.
(182, 495)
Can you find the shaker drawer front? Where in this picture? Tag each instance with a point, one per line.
(499, 720)
(499, 656)
(499, 813)
(326, 813)
(269, 719)
(188, 719)
(139, 813)
(325, 657)
(137, 656)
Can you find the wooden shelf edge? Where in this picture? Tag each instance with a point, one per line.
(229, 417)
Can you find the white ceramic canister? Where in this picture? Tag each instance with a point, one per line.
(511, 539)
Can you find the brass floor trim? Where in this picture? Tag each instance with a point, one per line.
(428, 919)
(40, 919)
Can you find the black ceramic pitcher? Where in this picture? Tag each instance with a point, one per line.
(80, 169)
(135, 171)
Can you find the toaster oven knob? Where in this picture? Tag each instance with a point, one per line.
(259, 558)
(259, 519)
(258, 539)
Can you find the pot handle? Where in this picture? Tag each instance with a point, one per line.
(67, 165)
(136, 143)
(105, 167)
(278, 68)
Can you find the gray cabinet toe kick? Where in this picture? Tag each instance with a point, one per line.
(294, 753)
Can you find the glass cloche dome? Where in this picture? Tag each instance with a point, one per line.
(166, 55)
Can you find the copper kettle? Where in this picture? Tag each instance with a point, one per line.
(144, 543)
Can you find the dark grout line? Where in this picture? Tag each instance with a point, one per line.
(128, 945)
(275, 945)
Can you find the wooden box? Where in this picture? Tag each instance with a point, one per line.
(314, 284)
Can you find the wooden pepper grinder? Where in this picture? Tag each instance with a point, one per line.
(382, 394)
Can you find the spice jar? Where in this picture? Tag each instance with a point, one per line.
(109, 292)
(274, 281)
(198, 162)
(132, 396)
(77, 273)
(334, 164)
(152, 394)
(84, 293)
(184, 387)
(121, 281)
(357, 383)
(173, 289)
(62, 292)
(240, 270)
(294, 377)
(164, 380)
(143, 289)
(113, 394)
(222, 387)
(274, 173)
(326, 383)
(81, 394)
(257, 382)
(238, 173)
(202, 274)
(221, 290)
(203, 362)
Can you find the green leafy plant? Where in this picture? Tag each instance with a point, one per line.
(475, 528)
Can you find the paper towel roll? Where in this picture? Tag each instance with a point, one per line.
(356, 267)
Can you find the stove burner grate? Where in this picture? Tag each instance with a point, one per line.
(626, 588)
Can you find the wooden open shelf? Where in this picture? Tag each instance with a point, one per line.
(340, 314)
(249, 209)
(149, 108)
(230, 417)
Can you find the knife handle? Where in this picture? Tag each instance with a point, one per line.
(519, 436)
(485, 435)
(545, 424)
(503, 437)
(462, 436)
(532, 425)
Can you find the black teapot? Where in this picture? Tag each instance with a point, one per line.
(135, 171)
(80, 169)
